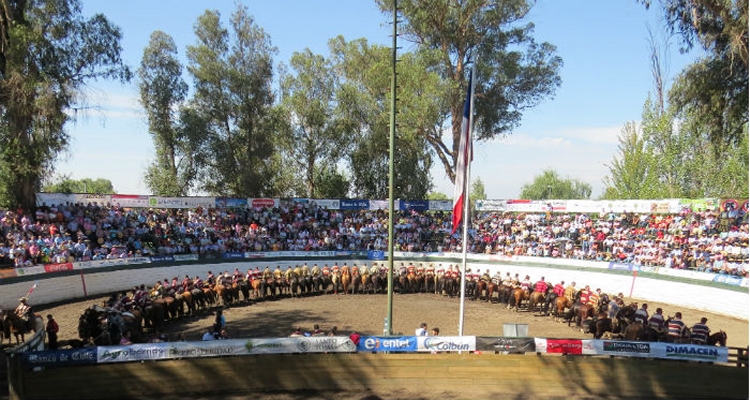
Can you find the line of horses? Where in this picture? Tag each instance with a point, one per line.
(106, 325)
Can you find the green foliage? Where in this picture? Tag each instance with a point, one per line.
(477, 190)
(712, 93)
(632, 172)
(86, 185)
(48, 53)
(514, 71)
(364, 98)
(232, 73)
(331, 184)
(318, 132)
(162, 92)
(549, 185)
(437, 196)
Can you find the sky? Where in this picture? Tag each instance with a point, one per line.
(606, 79)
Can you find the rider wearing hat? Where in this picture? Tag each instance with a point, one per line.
(23, 310)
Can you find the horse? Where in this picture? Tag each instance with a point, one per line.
(504, 295)
(561, 303)
(365, 283)
(155, 313)
(579, 313)
(356, 281)
(519, 295)
(346, 279)
(536, 301)
(600, 326)
(18, 326)
(717, 339)
(105, 326)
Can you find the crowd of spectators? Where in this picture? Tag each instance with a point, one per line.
(705, 241)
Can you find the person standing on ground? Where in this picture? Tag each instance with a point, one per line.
(52, 329)
(422, 330)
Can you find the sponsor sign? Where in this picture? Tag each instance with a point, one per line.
(130, 201)
(313, 344)
(263, 203)
(387, 343)
(185, 257)
(506, 345)
(58, 267)
(254, 255)
(354, 204)
(378, 204)
(331, 204)
(60, 358)
(446, 343)
(24, 271)
(7, 273)
(51, 199)
(233, 254)
(157, 259)
(86, 198)
(440, 205)
(622, 266)
(692, 352)
(730, 279)
(165, 202)
(559, 346)
(227, 202)
(375, 255)
(419, 205)
(618, 348)
(491, 205)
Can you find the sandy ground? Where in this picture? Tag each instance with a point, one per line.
(366, 314)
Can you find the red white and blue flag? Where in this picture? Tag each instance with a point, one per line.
(462, 161)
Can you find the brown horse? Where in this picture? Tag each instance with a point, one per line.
(519, 295)
(346, 278)
(255, 285)
(561, 303)
(536, 301)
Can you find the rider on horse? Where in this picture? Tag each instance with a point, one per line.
(23, 310)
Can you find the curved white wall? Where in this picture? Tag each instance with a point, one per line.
(706, 298)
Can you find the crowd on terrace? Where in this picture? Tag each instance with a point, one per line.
(711, 241)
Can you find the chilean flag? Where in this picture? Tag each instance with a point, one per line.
(462, 161)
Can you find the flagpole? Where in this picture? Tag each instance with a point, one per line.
(467, 200)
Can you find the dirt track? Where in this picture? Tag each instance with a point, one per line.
(366, 313)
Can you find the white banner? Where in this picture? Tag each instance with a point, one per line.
(380, 205)
(669, 351)
(130, 201)
(222, 348)
(446, 343)
(331, 204)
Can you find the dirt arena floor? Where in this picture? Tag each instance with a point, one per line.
(366, 314)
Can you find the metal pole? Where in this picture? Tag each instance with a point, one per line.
(388, 326)
(467, 200)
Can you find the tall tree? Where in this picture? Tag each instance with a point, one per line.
(515, 72)
(49, 52)
(364, 95)
(162, 92)
(632, 172)
(232, 73)
(318, 133)
(712, 93)
(549, 185)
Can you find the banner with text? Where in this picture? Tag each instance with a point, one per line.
(387, 343)
(446, 343)
(506, 345)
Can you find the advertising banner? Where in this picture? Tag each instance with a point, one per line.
(446, 343)
(25, 271)
(233, 255)
(376, 255)
(186, 257)
(387, 343)
(8, 273)
(263, 202)
(53, 199)
(417, 205)
(506, 345)
(228, 202)
(491, 205)
(58, 267)
(157, 259)
(559, 346)
(354, 204)
(130, 201)
(60, 358)
(440, 205)
(331, 204)
(378, 204)
(670, 351)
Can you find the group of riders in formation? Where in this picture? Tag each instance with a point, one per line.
(593, 310)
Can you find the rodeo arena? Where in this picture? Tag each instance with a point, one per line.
(164, 280)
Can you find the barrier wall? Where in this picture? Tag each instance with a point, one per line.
(56, 287)
(447, 375)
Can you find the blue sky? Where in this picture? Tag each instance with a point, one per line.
(605, 81)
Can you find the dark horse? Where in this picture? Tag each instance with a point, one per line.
(19, 327)
(105, 326)
(717, 339)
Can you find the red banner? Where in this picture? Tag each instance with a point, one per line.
(565, 346)
(58, 267)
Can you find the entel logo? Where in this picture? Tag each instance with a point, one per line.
(375, 343)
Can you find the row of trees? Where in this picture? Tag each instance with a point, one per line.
(234, 135)
(233, 138)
